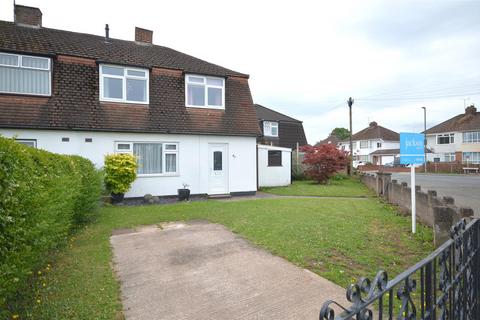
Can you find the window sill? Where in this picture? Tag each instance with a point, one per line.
(206, 107)
(275, 166)
(158, 175)
(124, 102)
(18, 94)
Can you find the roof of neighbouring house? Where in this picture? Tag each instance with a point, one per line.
(468, 121)
(264, 113)
(53, 41)
(374, 131)
(331, 139)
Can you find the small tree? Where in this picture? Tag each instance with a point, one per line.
(324, 161)
(120, 172)
(341, 133)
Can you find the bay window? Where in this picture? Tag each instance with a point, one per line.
(270, 128)
(204, 92)
(471, 157)
(22, 74)
(471, 137)
(123, 84)
(153, 158)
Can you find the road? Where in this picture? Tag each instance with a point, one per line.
(464, 188)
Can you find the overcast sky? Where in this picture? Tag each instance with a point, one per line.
(305, 58)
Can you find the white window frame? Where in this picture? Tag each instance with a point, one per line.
(473, 140)
(364, 144)
(206, 86)
(267, 128)
(20, 66)
(449, 135)
(28, 142)
(449, 157)
(124, 83)
(471, 161)
(164, 153)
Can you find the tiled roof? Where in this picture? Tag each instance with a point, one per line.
(331, 139)
(374, 131)
(52, 41)
(75, 105)
(264, 113)
(468, 121)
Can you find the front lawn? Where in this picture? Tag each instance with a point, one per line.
(340, 239)
(343, 187)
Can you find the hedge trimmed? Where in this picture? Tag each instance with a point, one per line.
(43, 197)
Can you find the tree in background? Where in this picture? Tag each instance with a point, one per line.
(341, 133)
(324, 161)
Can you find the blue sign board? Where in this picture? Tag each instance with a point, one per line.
(412, 148)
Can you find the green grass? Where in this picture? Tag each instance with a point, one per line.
(340, 239)
(346, 187)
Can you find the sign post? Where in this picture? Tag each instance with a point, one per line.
(412, 153)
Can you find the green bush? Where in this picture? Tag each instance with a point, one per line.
(120, 172)
(43, 196)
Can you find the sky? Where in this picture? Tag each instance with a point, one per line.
(305, 58)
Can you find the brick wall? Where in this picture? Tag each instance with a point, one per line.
(430, 208)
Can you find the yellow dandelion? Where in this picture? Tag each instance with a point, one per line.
(38, 301)
(39, 272)
(44, 284)
(15, 316)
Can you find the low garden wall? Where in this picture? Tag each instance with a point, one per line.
(439, 212)
(43, 197)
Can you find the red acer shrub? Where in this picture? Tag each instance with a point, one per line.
(324, 161)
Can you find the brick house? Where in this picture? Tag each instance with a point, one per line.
(187, 120)
(456, 139)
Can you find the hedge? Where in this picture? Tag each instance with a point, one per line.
(43, 197)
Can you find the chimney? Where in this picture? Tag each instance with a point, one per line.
(373, 124)
(143, 35)
(27, 16)
(107, 32)
(470, 110)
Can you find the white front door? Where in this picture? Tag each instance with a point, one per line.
(218, 168)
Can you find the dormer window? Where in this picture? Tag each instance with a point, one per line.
(270, 128)
(204, 92)
(21, 74)
(123, 84)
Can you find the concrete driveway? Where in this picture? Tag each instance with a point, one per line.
(464, 188)
(203, 271)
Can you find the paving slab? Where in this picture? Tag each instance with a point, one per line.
(200, 270)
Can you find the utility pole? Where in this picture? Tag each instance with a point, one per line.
(350, 103)
(425, 138)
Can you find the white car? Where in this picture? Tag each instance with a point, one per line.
(357, 163)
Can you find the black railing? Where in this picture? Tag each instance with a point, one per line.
(445, 285)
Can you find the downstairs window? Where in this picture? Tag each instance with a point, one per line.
(153, 158)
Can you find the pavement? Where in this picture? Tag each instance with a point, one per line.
(199, 270)
(465, 189)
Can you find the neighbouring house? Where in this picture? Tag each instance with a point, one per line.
(331, 139)
(280, 135)
(279, 130)
(188, 121)
(374, 144)
(457, 139)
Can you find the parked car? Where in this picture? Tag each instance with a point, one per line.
(357, 163)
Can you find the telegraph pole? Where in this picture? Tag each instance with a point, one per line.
(425, 138)
(350, 103)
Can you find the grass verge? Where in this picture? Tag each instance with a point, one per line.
(340, 187)
(340, 239)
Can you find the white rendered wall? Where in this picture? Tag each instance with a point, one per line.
(274, 176)
(357, 151)
(193, 157)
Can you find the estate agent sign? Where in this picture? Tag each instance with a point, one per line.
(412, 153)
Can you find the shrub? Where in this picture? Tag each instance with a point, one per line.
(42, 197)
(120, 172)
(324, 161)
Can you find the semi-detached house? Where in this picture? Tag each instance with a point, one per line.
(187, 121)
(456, 139)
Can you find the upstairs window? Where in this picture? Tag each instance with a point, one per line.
(379, 144)
(204, 92)
(364, 144)
(123, 84)
(270, 128)
(471, 137)
(445, 138)
(21, 74)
